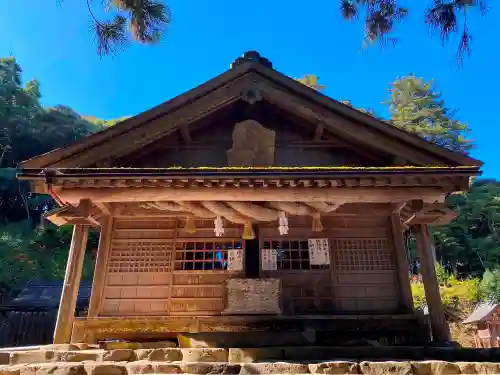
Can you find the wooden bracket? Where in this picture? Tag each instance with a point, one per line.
(76, 215)
(251, 95)
(434, 213)
(318, 134)
(185, 133)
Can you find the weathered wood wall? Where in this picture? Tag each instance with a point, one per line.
(488, 332)
(156, 268)
(294, 146)
(362, 275)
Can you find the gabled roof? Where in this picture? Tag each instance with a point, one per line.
(251, 78)
(481, 312)
(47, 294)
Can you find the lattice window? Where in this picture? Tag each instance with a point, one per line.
(141, 256)
(292, 254)
(204, 255)
(363, 254)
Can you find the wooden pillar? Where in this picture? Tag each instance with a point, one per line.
(402, 262)
(100, 267)
(494, 333)
(439, 326)
(477, 341)
(66, 313)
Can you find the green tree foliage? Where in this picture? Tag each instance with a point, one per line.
(19, 106)
(456, 293)
(444, 17)
(490, 285)
(27, 254)
(473, 237)
(28, 250)
(141, 20)
(415, 106)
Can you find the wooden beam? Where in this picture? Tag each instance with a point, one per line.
(105, 208)
(66, 313)
(142, 194)
(402, 261)
(100, 267)
(345, 127)
(439, 326)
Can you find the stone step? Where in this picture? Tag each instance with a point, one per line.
(268, 368)
(68, 353)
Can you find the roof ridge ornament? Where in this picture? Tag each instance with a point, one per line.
(253, 57)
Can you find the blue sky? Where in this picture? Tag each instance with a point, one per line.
(53, 44)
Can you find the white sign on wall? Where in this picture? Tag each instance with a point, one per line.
(269, 259)
(319, 251)
(235, 260)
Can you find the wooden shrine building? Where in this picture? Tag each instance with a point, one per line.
(486, 318)
(250, 203)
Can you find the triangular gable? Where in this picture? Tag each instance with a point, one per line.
(251, 78)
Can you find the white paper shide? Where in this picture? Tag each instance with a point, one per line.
(319, 251)
(269, 259)
(235, 260)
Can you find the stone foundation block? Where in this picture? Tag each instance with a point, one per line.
(9, 370)
(166, 354)
(157, 345)
(471, 368)
(34, 356)
(205, 355)
(119, 355)
(79, 356)
(202, 368)
(147, 367)
(62, 347)
(25, 369)
(435, 368)
(57, 369)
(386, 368)
(336, 367)
(488, 368)
(166, 368)
(249, 355)
(85, 346)
(105, 368)
(137, 345)
(274, 368)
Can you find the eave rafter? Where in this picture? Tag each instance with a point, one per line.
(261, 178)
(83, 214)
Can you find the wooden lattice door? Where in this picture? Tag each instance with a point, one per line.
(306, 288)
(156, 268)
